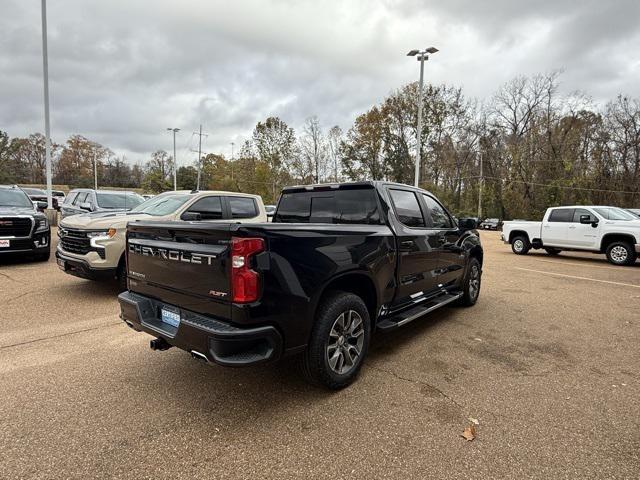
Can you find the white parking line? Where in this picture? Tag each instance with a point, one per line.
(562, 262)
(578, 278)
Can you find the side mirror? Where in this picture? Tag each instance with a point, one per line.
(191, 216)
(467, 224)
(86, 206)
(587, 220)
(41, 205)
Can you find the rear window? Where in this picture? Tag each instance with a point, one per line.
(561, 215)
(242, 207)
(357, 206)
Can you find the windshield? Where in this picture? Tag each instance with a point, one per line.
(34, 191)
(14, 198)
(164, 205)
(612, 213)
(125, 200)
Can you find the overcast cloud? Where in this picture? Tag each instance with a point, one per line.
(123, 71)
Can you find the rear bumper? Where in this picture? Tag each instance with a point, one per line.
(203, 336)
(81, 268)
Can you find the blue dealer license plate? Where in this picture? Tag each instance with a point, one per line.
(170, 317)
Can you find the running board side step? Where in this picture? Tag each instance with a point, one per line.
(418, 311)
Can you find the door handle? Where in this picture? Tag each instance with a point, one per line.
(407, 244)
(572, 227)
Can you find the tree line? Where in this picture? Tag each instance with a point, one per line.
(528, 146)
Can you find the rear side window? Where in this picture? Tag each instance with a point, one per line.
(242, 207)
(348, 206)
(439, 216)
(209, 208)
(561, 215)
(407, 208)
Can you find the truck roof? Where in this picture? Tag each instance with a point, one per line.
(347, 185)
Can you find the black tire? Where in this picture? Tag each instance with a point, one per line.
(553, 251)
(121, 277)
(621, 253)
(471, 285)
(315, 361)
(520, 245)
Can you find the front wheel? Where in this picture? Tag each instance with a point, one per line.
(621, 253)
(471, 286)
(339, 341)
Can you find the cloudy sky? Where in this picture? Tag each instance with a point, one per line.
(122, 71)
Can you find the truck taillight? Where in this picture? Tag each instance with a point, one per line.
(244, 281)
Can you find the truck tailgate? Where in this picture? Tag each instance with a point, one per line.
(185, 264)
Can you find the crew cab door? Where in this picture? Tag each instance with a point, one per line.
(451, 259)
(418, 247)
(555, 229)
(583, 235)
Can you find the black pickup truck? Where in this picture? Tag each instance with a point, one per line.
(337, 263)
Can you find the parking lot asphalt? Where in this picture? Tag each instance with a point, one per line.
(547, 362)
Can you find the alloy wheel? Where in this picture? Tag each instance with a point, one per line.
(346, 340)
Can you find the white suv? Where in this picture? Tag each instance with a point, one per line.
(92, 245)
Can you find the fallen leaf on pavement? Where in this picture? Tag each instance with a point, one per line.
(474, 421)
(469, 433)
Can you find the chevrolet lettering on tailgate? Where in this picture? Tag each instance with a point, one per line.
(175, 255)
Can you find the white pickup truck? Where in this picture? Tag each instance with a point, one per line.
(598, 229)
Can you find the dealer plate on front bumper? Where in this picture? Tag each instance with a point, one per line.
(5, 243)
(61, 264)
(170, 317)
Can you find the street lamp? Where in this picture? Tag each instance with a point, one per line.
(422, 56)
(175, 160)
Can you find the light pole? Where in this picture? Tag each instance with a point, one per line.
(422, 56)
(175, 160)
(47, 133)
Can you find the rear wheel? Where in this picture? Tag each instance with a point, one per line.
(520, 245)
(339, 341)
(621, 253)
(553, 251)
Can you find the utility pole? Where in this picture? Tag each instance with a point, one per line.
(422, 56)
(47, 129)
(95, 170)
(199, 154)
(480, 185)
(232, 145)
(175, 160)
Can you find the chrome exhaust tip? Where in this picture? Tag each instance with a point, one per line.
(199, 356)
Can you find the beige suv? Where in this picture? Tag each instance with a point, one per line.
(92, 245)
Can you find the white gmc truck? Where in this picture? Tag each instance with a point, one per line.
(598, 229)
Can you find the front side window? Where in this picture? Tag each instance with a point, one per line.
(407, 208)
(242, 207)
(439, 216)
(14, 198)
(579, 212)
(561, 215)
(70, 198)
(81, 198)
(209, 208)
